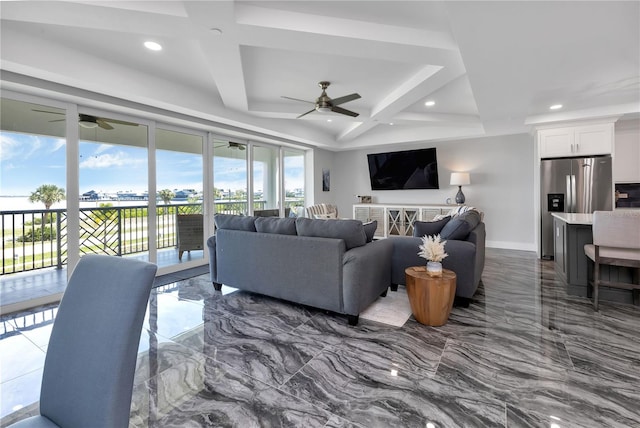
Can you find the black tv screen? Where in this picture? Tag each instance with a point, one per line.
(409, 169)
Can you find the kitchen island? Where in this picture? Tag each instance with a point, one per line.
(571, 231)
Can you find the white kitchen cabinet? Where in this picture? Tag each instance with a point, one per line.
(397, 219)
(556, 142)
(584, 140)
(626, 161)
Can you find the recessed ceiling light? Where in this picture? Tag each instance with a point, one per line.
(153, 46)
(328, 120)
(430, 103)
(555, 107)
(216, 31)
(391, 123)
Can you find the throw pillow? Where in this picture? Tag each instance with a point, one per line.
(370, 229)
(235, 222)
(281, 226)
(460, 226)
(422, 228)
(350, 231)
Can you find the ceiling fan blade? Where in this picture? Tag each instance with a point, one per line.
(304, 114)
(345, 99)
(298, 99)
(57, 120)
(45, 111)
(119, 122)
(102, 124)
(341, 110)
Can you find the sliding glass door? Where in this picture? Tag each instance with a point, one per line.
(113, 182)
(230, 176)
(265, 180)
(179, 197)
(294, 180)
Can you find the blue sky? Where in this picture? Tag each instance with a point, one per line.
(28, 161)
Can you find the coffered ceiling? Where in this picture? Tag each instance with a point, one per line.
(491, 68)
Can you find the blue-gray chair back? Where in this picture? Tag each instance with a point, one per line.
(92, 352)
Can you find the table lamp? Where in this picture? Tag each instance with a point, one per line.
(460, 179)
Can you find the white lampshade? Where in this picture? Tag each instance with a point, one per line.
(460, 179)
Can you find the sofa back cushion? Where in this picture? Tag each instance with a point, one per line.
(422, 228)
(350, 231)
(459, 227)
(281, 226)
(235, 222)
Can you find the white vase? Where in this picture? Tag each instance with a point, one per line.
(434, 268)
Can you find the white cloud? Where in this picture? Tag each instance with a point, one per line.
(19, 146)
(108, 160)
(58, 144)
(103, 148)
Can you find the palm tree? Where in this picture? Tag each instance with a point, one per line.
(166, 195)
(48, 194)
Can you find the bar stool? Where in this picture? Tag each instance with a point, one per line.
(616, 242)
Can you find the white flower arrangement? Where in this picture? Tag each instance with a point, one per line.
(432, 248)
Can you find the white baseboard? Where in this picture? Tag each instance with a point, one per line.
(507, 245)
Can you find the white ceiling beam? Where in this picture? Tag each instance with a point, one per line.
(344, 28)
(97, 17)
(221, 52)
(426, 81)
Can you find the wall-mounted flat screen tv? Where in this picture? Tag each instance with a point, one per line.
(409, 169)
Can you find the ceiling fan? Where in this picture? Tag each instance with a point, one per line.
(232, 145)
(326, 104)
(88, 121)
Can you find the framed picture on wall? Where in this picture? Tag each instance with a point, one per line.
(326, 180)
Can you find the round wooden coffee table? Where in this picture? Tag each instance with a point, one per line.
(431, 297)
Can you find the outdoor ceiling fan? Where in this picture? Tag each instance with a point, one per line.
(326, 104)
(88, 121)
(232, 145)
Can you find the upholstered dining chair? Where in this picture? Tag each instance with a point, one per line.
(616, 242)
(92, 352)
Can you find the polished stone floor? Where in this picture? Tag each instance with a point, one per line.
(523, 354)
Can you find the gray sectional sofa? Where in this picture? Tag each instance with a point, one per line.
(465, 235)
(328, 264)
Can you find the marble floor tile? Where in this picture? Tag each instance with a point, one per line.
(523, 354)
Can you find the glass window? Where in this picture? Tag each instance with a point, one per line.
(114, 187)
(32, 186)
(179, 219)
(265, 180)
(294, 180)
(230, 177)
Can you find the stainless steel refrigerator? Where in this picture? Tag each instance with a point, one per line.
(572, 185)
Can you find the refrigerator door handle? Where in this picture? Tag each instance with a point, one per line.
(568, 208)
(573, 194)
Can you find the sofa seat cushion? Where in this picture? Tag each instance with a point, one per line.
(459, 227)
(422, 228)
(235, 222)
(350, 231)
(281, 226)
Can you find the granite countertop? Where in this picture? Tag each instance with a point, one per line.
(574, 218)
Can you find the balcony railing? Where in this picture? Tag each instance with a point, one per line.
(36, 239)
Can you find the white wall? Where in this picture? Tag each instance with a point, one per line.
(501, 171)
(316, 161)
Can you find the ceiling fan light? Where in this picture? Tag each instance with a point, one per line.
(88, 124)
(324, 109)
